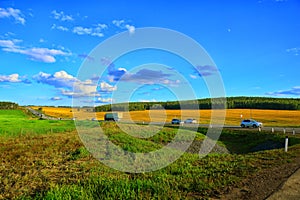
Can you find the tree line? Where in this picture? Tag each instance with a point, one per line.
(216, 103)
(8, 105)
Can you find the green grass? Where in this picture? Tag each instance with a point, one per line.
(12, 115)
(40, 165)
(188, 177)
(148, 144)
(16, 122)
(243, 142)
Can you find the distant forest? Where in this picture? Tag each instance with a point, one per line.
(8, 105)
(231, 103)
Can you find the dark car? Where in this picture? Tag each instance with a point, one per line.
(175, 121)
(111, 117)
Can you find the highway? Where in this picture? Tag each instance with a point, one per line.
(284, 130)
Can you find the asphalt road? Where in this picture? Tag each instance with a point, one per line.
(288, 130)
(41, 116)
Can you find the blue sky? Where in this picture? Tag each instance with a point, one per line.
(254, 45)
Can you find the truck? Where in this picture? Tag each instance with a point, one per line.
(113, 116)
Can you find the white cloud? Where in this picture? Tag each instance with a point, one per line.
(206, 70)
(56, 98)
(7, 43)
(101, 26)
(149, 76)
(42, 54)
(61, 28)
(59, 79)
(36, 53)
(87, 57)
(130, 28)
(14, 13)
(295, 51)
(193, 76)
(123, 25)
(61, 16)
(69, 85)
(294, 91)
(97, 31)
(119, 23)
(104, 100)
(84, 89)
(113, 73)
(105, 87)
(82, 31)
(13, 78)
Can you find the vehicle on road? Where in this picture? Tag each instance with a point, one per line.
(112, 116)
(175, 121)
(250, 123)
(190, 121)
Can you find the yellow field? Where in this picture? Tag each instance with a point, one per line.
(233, 116)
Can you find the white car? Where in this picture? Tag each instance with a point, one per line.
(250, 123)
(190, 121)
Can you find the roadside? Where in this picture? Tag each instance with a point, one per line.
(273, 183)
(40, 115)
(289, 190)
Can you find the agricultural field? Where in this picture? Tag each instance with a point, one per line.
(45, 159)
(277, 118)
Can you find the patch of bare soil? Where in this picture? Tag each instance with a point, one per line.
(264, 183)
(290, 190)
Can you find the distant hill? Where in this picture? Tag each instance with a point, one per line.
(231, 103)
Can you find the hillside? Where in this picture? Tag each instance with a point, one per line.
(8, 105)
(231, 103)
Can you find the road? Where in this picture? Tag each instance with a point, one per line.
(40, 115)
(289, 130)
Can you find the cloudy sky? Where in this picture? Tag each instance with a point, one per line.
(254, 46)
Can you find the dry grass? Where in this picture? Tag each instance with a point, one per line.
(233, 116)
(31, 164)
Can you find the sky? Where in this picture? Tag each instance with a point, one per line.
(253, 47)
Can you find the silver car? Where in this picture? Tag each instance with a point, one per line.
(190, 121)
(250, 123)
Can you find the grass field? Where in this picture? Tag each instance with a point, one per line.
(55, 165)
(16, 122)
(286, 118)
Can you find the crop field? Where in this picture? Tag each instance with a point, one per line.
(43, 159)
(277, 118)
